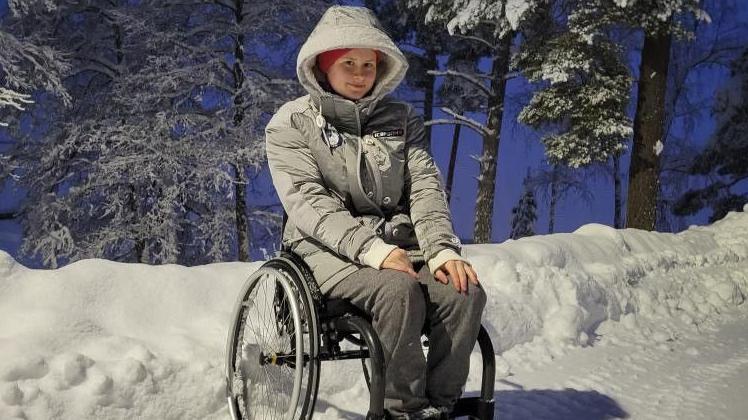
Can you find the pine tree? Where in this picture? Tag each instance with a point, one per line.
(659, 21)
(460, 95)
(584, 90)
(524, 214)
(725, 159)
(713, 46)
(423, 42)
(556, 183)
(493, 24)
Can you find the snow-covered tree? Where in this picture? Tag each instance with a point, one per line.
(458, 94)
(170, 101)
(711, 51)
(659, 21)
(557, 182)
(725, 159)
(27, 63)
(112, 177)
(232, 36)
(492, 24)
(583, 94)
(422, 42)
(524, 214)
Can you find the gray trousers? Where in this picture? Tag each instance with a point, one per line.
(400, 307)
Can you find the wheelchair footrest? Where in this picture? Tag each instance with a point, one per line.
(475, 408)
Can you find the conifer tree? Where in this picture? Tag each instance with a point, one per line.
(423, 42)
(725, 159)
(524, 214)
(583, 92)
(556, 183)
(492, 24)
(660, 21)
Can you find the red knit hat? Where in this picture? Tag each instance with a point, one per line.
(326, 59)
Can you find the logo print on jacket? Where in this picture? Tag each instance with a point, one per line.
(390, 133)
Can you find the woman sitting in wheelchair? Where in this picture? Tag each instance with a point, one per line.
(367, 210)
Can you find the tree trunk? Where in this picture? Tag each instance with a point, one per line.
(489, 157)
(617, 194)
(242, 227)
(240, 181)
(553, 201)
(428, 94)
(453, 161)
(641, 212)
(132, 202)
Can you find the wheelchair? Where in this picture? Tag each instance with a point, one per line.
(283, 328)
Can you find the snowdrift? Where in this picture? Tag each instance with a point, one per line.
(104, 340)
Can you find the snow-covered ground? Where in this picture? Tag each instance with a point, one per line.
(595, 324)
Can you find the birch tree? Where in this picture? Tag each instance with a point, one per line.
(460, 95)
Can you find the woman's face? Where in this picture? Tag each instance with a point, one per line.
(353, 74)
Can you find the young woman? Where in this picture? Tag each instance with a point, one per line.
(367, 211)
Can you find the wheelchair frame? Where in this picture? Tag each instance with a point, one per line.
(324, 324)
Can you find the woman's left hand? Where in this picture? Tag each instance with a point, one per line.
(459, 272)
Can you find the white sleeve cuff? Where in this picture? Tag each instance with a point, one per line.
(377, 253)
(443, 256)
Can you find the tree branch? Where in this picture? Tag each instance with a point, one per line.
(7, 216)
(460, 119)
(477, 39)
(470, 78)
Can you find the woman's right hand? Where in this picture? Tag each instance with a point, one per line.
(398, 260)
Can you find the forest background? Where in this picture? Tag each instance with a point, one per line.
(132, 130)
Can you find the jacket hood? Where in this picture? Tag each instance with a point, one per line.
(351, 27)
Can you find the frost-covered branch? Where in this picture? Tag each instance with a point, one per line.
(14, 99)
(483, 41)
(26, 67)
(472, 78)
(460, 119)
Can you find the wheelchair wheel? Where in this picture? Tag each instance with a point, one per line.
(273, 347)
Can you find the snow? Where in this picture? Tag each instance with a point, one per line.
(598, 323)
(658, 148)
(515, 10)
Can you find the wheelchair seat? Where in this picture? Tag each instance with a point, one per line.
(337, 307)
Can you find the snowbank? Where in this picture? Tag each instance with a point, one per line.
(104, 340)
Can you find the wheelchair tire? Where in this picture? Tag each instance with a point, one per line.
(273, 347)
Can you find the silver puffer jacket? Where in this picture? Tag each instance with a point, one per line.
(356, 178)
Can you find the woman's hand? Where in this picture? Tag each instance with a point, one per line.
(459, 272)
(398, 260)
